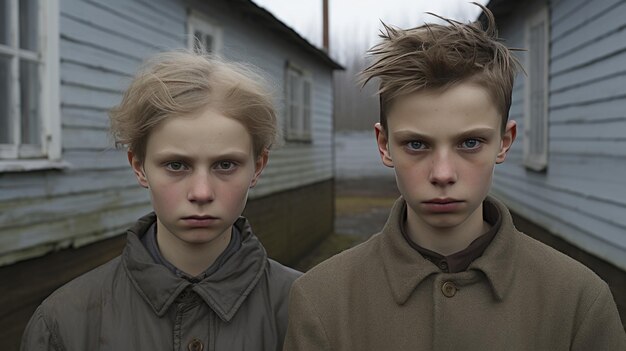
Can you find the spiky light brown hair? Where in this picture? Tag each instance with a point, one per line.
(438, 56)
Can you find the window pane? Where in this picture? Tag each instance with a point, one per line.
(29, 98)
(295, 95)
(29, 24)
(5, 100)
(306, 117)
(208, 42)
(197, 41)
(4, 22)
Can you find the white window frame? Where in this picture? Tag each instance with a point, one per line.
(199, 22)
(298, 104)
(17, 157)
(536, 92)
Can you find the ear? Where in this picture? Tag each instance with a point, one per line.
(383, 145)
(510, 132)
(137, 167)
(259, 166)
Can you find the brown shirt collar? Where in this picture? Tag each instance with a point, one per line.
(459, 261)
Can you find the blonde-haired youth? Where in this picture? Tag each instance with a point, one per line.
(181, 83)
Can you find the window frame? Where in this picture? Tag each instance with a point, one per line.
(536, 151)
(198, 21)
(301, 130)
(24, 157)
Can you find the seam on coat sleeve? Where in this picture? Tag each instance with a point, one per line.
(583, 320)
(40, 317)
(312, 311)
(56, 343)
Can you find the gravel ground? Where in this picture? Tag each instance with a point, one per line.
(361, 209)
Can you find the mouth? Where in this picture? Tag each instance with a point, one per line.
(442, 205)
(442, 201)
(200, 217)
(199, 221)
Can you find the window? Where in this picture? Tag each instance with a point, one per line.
(298, 99)
(536, 92)
(203, 35)
(29, 81)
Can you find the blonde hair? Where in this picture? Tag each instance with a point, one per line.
(180, 83)
(435, 56)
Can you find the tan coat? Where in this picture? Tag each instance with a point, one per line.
(520, 295)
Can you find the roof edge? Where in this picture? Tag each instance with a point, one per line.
(265, 15)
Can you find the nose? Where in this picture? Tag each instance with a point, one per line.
(201, 189)
(443, 170)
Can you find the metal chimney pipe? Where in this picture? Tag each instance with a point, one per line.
(325, 41)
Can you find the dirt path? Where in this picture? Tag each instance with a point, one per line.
(361, 209)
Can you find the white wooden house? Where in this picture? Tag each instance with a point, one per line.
(565, 177)
(66, 195)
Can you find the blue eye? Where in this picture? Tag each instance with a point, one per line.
(175, 166)
(225, 165)
(471, 144)
(415, 145)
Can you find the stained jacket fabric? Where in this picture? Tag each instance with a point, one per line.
(133, 303)
(519, 295)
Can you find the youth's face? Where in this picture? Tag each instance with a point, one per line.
(198, 170)
(444, 146)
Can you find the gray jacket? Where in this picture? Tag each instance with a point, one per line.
(133, 303)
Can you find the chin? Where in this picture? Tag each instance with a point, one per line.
(200, 238)
(445, 221)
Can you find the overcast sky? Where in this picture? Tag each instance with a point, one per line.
(359, 20)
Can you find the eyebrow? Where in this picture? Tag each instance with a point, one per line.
(409, 134)
(177, 155)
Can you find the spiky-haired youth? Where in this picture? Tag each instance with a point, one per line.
(436, 56)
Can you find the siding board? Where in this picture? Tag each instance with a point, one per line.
(561, 10)
(93, 78)
(63, 233)
(574, 29)
(26, 212)
(565, 224)
(77, 96)
(84, 160)
(589, 74)
(597, 111)
(86, 139)
(29, 188)
(603, 90)
(102, 43)
(79, 31)
(103, 18)
(581, 197)
(615, 148)
(604, 47)
(97, 58)
(611, 129)
(173, 21)
(543, 201)
(84, 117)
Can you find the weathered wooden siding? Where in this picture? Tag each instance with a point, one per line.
(582, 196)
(292, 164)
(102, 42)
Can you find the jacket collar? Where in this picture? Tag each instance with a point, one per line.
(405, 268)
(224, 290)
